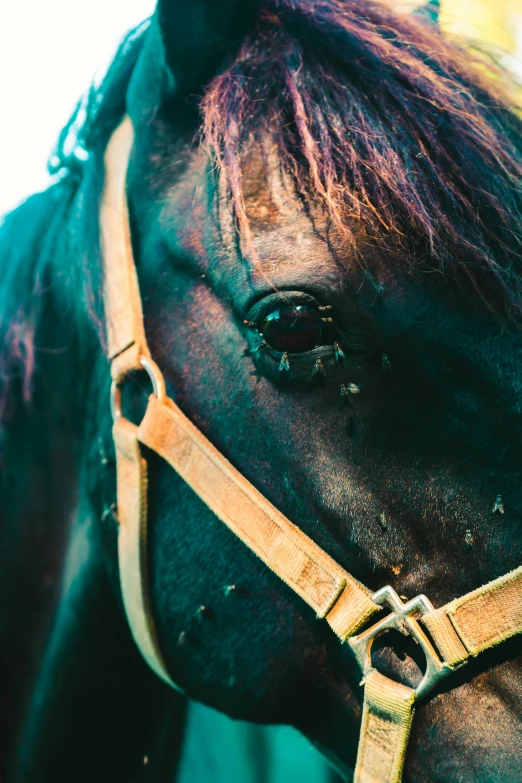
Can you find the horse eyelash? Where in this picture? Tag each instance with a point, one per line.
(339, 353)
(317, 367)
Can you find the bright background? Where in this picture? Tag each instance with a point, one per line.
(49, 53)
(51, 49)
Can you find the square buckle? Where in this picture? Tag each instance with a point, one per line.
(402, 619)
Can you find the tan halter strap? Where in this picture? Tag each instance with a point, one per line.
(448, 636)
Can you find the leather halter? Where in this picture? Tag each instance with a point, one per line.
(448, 635)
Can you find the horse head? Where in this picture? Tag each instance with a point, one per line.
(325, 209)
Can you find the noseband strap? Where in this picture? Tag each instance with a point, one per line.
(448, 636)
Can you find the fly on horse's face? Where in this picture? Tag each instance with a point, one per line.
(373, 402)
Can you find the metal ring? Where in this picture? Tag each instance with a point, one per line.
(155, 377)
(402, 618)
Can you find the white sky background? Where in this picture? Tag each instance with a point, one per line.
(49, 53)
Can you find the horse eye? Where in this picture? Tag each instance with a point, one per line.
(294, 329)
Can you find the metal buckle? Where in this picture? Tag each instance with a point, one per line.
(402, 619)
(155, 377)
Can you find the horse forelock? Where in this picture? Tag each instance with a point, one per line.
(386, 125)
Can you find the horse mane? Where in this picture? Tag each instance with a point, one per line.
(40, 237)
(394, 131)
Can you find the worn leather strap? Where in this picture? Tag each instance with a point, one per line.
(479, 620)
(331, 592)
(131, 475)
(126, 341)
(388, 711)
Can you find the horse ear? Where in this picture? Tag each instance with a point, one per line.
(430, 12)
(198, 34)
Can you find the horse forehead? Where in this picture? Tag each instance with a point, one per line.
(293, 241)
(283, 227)
(289, 240)
(269, 194)
(267, 197)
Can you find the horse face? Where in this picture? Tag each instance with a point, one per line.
(400, 459)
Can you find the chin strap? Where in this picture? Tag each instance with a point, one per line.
(448, 636)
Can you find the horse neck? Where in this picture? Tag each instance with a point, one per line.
(37, 340)
(39, 428)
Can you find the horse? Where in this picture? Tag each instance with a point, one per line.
(326, 216)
